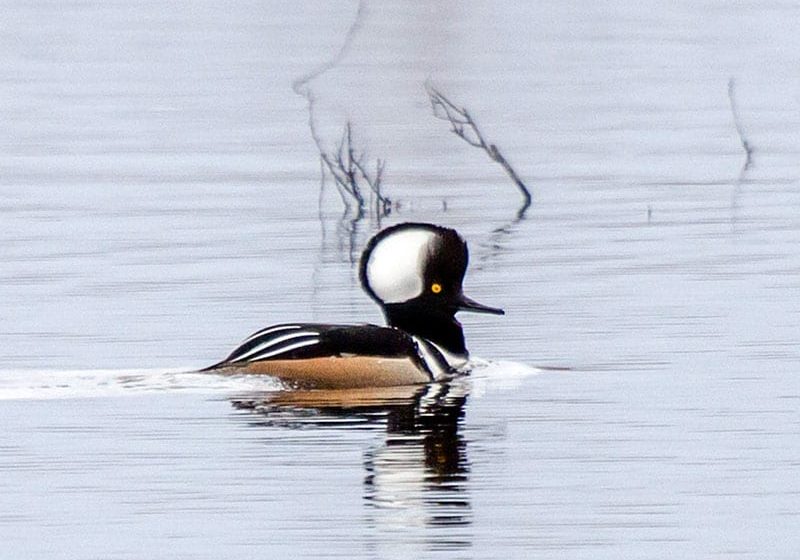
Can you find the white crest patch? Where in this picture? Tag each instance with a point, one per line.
(396, 264)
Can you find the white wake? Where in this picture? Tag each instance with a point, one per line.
(60, 384)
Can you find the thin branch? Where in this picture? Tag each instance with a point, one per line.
(737, 122)
(299, 86)
(344, 166)
(374, 181)
(464, 126)
(348, 171)
(382, 204)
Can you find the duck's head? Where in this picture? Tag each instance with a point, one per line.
(415, 273)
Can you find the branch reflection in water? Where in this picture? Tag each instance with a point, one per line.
(419, 474)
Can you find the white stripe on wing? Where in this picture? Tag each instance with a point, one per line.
(268, 344)
(436, 363)
(289, 348)
(455, 361)
(274, 328)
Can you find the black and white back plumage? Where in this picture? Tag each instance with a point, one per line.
(306, 341)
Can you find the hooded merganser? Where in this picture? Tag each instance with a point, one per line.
(414, 271)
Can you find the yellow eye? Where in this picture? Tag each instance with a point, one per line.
(436, 288)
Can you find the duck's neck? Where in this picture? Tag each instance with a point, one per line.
(436, 325)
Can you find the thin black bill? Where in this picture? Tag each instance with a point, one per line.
(468, 304)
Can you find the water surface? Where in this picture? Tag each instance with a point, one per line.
(160, 200)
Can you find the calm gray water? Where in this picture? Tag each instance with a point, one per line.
(160, 200)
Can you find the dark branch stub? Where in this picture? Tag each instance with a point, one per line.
(463, 125)
(737, 122)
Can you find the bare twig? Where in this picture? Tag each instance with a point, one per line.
(300, 85)
(345, 166)
(382, 203)
(463, 125)
(737, 122)
(348, 171)
(748, 148)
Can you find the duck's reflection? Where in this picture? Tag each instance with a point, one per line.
(418, 474)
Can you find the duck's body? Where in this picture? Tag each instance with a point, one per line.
(414, 272)
(338, 356)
